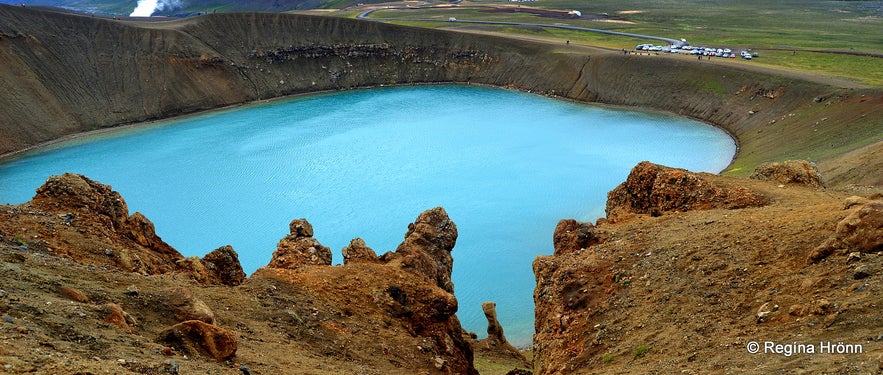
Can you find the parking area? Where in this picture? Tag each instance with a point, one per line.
(698, 51)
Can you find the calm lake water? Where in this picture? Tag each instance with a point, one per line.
(505, 165)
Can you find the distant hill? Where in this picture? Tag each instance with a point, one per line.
(184, 8)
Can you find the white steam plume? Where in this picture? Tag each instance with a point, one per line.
(146, 8)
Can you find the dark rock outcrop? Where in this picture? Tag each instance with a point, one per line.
(861, 231)
(219, 267)
(194, 337)
(654, 190)
(76, 192)
(790, 172)
(223, 266)
(80, 201)
(427, 247)
(300, 249)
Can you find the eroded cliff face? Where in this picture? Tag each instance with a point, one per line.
(68, 74)
(693, 267)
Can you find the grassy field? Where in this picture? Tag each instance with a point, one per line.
(775, 29)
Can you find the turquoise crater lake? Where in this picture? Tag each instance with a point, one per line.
(506, 165)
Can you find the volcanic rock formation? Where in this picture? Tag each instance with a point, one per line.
(654, 189)
(495, 337)
(299, 248)
(395, 312)
(411, 285)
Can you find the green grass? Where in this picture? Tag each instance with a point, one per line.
(495, 366)
(864, 69)
(853, 26)
(711, 86)
(641, 351)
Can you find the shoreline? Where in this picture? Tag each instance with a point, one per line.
(11, 156)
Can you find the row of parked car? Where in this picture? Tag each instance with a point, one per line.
(701, 51)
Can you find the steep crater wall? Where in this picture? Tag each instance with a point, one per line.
(69, 74)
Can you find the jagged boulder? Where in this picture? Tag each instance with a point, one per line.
(181, 304)
(358, 252)
(219, 267)
(427, 247)
(223, 267)
(790, 172)
(861, 231)
(197, 337)
(571, 235)
(299, 248)
(653, 189)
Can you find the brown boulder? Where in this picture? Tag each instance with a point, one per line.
(358, 252)
(790, 172)
(197, 337)
(115, 315)
(300, 228)
(299, 248)
(655, 189)
(74, 294)
(183, 305)
(861, 231)
(427, 247)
